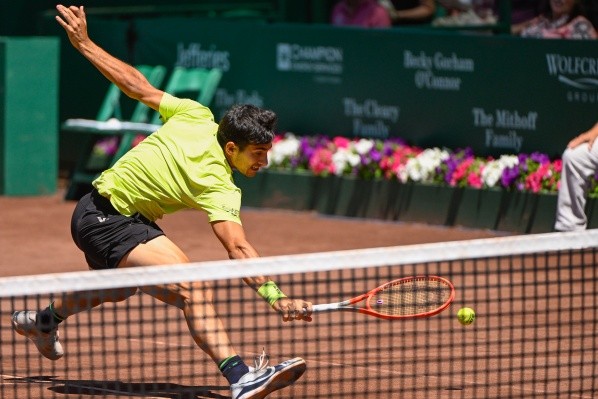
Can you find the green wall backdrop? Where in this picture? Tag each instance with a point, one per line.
(497, 94)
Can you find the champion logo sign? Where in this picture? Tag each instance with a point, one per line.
(102, 219)
(294, 57)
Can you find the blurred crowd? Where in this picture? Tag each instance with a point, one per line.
(551, 19)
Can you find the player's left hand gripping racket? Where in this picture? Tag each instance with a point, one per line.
(405, 298)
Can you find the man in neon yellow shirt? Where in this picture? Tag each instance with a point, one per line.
(181, 165)
(187, 163)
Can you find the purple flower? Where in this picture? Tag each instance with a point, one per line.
(375, 155)
(509, 176)
(539, 158)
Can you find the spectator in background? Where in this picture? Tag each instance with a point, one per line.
(465, 12)
(522, 12)
(364, 13)
(580, 162)
(409, 12)
(561, 19)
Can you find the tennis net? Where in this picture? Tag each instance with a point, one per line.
(535, 336)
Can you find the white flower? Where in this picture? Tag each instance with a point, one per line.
(491, 173)
(284, 149)
(344, 157)
(363, 146)
(493, 170)
(402, 174)
(423, 166)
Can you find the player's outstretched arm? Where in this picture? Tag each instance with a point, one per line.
(232, 237)
(128, 79)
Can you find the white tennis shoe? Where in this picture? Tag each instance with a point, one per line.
(262, 380)
(25, 323)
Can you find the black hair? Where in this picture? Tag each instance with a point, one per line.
(246, 124)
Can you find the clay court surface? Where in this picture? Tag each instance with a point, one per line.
(35, 238)
(35, 235)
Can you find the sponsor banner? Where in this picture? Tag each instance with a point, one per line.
(492, 93)
(294, 57)
(579, 74)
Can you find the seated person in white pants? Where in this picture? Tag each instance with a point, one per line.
(580, 162)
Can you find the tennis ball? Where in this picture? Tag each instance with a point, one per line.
(466, 316)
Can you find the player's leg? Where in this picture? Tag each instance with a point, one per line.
(195, 299)
(579, 164)
(95, 227)
(76, 302)
(41, 327)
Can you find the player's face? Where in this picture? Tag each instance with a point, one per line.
(250, 160)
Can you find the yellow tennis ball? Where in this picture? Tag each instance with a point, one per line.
(466, 316)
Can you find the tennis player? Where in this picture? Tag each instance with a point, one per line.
(187, 163)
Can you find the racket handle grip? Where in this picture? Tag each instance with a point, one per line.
(325, 307)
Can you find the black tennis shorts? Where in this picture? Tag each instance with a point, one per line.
(104, 235)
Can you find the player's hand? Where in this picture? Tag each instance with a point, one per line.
(74, 22)
(293, 309)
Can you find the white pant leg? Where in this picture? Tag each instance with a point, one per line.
(579, 164)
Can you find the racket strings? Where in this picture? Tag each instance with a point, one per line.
(411, 297)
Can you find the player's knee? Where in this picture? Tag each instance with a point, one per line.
(121, 294)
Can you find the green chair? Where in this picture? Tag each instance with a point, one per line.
(111, 106)
(90, 164)
(198, 83)
(186, 81)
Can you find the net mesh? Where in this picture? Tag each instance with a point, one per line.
(535, 335)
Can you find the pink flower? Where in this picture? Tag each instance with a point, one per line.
(460, 172)
(533, 181)
(393, 164)
(138, 139)
(106, 146)
(341, 142)
(474, 180)
(558, 165)
(321, 162)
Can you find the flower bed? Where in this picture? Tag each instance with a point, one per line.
(391, 180)
(393, 159)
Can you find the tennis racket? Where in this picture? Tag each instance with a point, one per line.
(405, 298)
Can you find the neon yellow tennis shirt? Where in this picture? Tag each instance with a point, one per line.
(179, 166)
